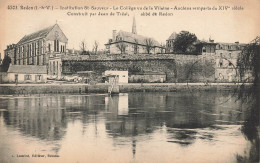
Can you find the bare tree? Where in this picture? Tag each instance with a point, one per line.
(83, 46)
(95, 47)
(149, 45)
(121, 46)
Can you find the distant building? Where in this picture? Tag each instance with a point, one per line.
(170, 43)
(132, 43)
(206, 47)
(11, 52)
(27, 74)
(37, 47)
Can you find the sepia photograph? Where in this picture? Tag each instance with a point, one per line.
(139, 81)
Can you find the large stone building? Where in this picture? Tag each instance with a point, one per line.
(225, 56)
(37, 47)
(226, 62)
(132, 43)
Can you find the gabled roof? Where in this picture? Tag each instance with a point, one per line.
(27, 69)
(134, 38)
(173, 36)
(39, 34)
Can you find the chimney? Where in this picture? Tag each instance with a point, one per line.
(114, 35)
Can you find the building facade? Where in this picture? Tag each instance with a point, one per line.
(37, 47)
(225, 56)
(27, 74)
(226, 62)
(131, 43)
(11, 51)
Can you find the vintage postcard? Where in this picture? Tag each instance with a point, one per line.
(129, 81)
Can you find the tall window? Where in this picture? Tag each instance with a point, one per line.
(49, 47)
(56, 45)
(38, 47)
(53, 68)
(43, 59)
(50, 67)
(38, 60)
(35, 49)
(57, 67)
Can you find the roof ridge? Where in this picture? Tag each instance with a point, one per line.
(47, 29)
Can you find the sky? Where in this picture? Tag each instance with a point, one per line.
(222, 26)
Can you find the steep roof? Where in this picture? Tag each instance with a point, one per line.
(173, 36)
(134, 38)
(27, 69)
(39, 34)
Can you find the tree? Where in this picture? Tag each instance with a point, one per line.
(95, 47)
(6, 63)
(82, 47)
(149, 45)
(184, 42)
(121, 46)
(249, 61)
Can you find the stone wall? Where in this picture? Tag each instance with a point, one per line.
(178, 68)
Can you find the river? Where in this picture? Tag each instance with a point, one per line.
(132, 127)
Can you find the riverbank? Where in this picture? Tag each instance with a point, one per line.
(9, 89)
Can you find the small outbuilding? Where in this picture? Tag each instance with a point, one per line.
(116, 76)
(27, 74)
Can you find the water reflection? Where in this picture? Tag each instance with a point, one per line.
(36, 117)
(138, 122)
